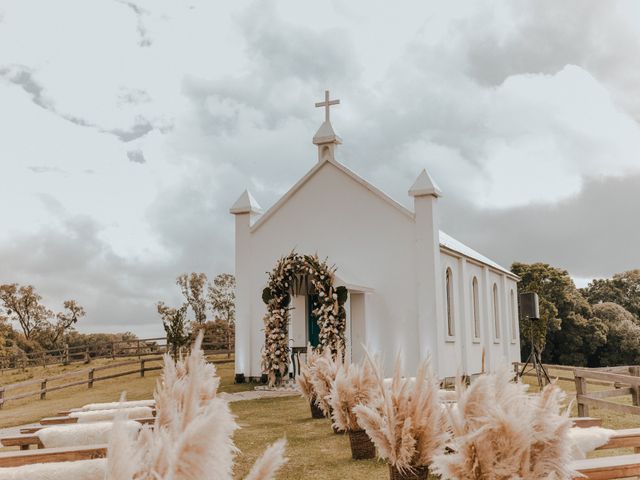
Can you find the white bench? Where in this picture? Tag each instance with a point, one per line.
(604, 468)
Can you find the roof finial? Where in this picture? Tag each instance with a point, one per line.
(325, 138)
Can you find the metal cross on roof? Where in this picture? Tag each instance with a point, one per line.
(327, 104)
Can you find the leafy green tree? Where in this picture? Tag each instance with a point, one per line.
(622, 346)
(174, 321)
(623, 289)
(222, 300)
(573, 334)
(218, 335)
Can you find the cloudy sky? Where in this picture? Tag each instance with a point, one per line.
(128, 128)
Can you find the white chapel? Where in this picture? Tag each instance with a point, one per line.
(412, 289)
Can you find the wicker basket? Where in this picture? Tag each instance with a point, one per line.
(361, 445)
(336, 430)
(316, 411)
(416, 473)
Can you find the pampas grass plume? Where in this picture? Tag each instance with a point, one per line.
(354, 385)
(502, 432)
(192, 437)
(269, 463)
(408, 426)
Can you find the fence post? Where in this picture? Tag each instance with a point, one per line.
(44, 360)
(43, 389)
(635, 390)
(87, 357)
(65, 354)
(113, 350)
(90, 382)
(581, 389)
(142, 368)
(138, 348)
(1, 397)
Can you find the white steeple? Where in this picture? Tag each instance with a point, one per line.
(424, 185)
(425, 195)
(245, 204)
(326, 138)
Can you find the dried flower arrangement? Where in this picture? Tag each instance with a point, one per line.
(285, 279)
(322, 378)
(500, 432)
(354, 385)
(192, 435)
(305, 382)
(409, 425)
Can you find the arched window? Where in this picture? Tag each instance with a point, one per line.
(496, 313)
(449, 291)
(475, 304)
(514, 317)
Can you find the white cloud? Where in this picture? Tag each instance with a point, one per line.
(512, 109)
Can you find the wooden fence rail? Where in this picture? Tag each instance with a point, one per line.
(85, 353)
(517, 366)
(88, 377)
(623, 380)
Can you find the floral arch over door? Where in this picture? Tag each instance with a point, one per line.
(290, 275)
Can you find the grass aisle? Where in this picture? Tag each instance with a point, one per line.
(314, 451)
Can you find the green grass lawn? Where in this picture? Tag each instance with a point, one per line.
(314, 451)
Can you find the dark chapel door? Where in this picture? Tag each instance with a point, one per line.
(313, 329)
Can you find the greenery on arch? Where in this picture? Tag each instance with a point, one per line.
(291, 274)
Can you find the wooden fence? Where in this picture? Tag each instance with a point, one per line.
(621, 380)
(85, 353)
(87, 376)
(568, 372)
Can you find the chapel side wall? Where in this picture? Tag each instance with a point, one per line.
(451, 348)
(513, 346)
(473, 344)
(497, 345)
(370, 242)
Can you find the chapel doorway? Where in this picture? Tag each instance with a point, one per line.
(313, 329)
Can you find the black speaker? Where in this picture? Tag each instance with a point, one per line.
(529, 306)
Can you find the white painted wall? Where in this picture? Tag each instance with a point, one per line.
(298, 327)
(374, 244)
(332, 216)
(358, 324)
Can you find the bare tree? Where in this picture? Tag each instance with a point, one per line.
(193, 288)
(22, 305)
(222, 300)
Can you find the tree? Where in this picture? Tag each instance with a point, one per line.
(573, 334)
(66, 320)
(623, 336)
(193, 287)
(218, 334)
(22, 305)
(175, 327)
(623, 289)
(222, 299)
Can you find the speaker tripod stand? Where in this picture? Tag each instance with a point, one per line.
(535, 360)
